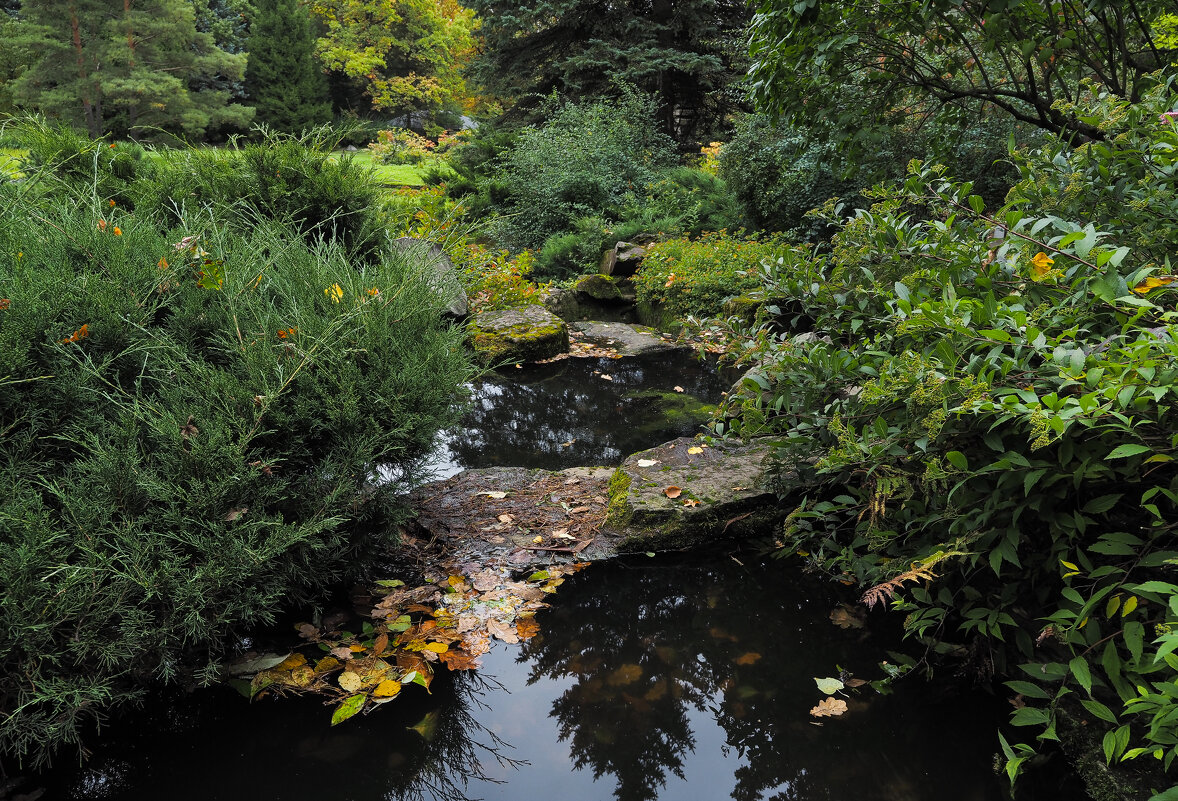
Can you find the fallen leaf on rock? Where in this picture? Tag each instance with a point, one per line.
(576, 510)
(829, 707)
(691, 502)
(563, 536)
(695, 450)
(673, 492)
(497, 495)
(506, 518)
(560, 532)
(647, 462)
(679, 389)
(537, 540)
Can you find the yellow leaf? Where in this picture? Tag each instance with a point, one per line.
(1068, 565)
(1040, 266)
(437, 647)
(695, 450)
(291, 662)
(350, 681)
(1130, 605)
(1153, 282)
(387, 689)
(673, 492)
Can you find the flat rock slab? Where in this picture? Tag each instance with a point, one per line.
(492, 518)
(626, 339)
(684, 493)
(530, 334)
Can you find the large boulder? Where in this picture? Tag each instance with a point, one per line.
(683, 493)
(626, 339)
(439, 272)
(600, 288)
(529, 334)
(622, 260)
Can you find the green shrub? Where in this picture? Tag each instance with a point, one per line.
(987, 442)
(400, 146)
(588, 159)
(194, 425)
(296, 180)
(695, 276)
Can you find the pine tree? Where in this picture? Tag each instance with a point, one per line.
(283, 78)
(124, 67)
(685, 52)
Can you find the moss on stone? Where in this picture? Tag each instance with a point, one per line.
(530, 334)
(619, 512)
(600, 288)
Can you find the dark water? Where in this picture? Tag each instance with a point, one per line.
(565, 414)
(672, 678)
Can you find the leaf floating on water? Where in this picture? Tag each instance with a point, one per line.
(748, 659)
(327, 664)
(257, 664)
(390, 583)
(846, 617)
(829, 708)
(853, 683)
(350, 681)
(437, 647)
(347, 709)
(828, 686)
(427, 727)
(382, 642)
(647, 462)
(502, 630)
(673, 492)
(527, 628)
(387, 689)
(306, 630)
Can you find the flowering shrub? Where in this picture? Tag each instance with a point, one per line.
(400, 146)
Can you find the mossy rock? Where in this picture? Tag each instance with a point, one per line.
(744, 307)
(722, 490)
(600, 288)
(674, 408)
(529, 334)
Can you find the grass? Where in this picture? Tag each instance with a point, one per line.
(10, 158)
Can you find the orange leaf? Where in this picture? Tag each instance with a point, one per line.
(829, 707)
(673, 492)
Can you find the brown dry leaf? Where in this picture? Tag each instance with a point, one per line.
(607, 377)
(527, 628)
(853, 683)
(829, 707)
(576, 510)
(350, 681)
(476, 643)
(673, 492)
(484, 580)
(503, 631)
(457, 660)
(847, 617)
(306, 630)
(236, 513)
(560, 532)
(690, 502)
(506, 518)
(467, 623)
(750, 658)
(343, 652)
(188, 429)
(382, 642)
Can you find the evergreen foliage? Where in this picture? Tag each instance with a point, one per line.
(195, 422)
(283, 78)
(125, 70)
(687, 53)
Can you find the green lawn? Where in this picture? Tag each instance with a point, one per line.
(398, 174)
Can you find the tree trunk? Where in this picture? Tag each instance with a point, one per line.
(91, 108)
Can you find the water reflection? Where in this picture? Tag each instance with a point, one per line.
(652, 652)
(566, 414)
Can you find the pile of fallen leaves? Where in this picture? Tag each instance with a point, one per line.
(449, 620)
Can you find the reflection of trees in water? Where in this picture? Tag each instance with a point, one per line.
(647, 647)
(527, 417)
(422, 747)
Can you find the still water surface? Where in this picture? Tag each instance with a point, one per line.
(673, 678)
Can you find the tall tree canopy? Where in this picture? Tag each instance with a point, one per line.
(406, 55)
(685, 52)
(283, 77)
(842, 61)
(125, 66)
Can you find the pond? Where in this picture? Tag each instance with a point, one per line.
(682, 676)
(676, 677)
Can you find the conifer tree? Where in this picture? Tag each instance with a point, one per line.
(124, 67)
(283, 77)
(684, 52)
